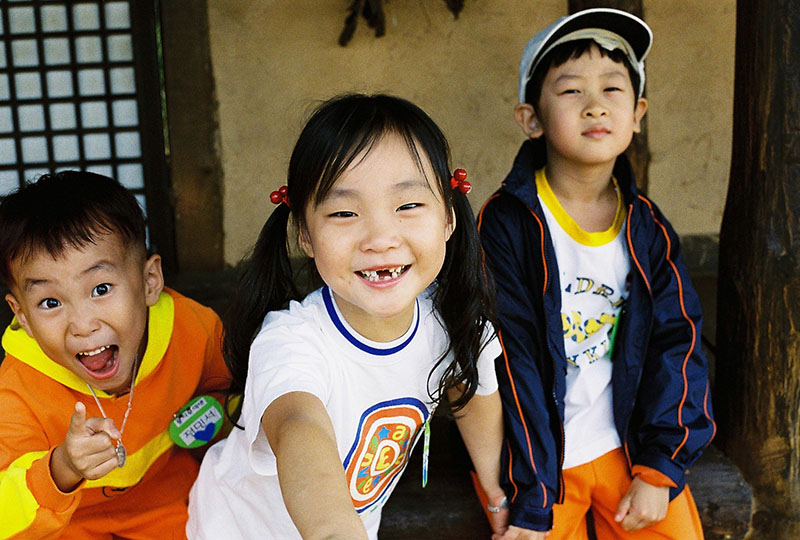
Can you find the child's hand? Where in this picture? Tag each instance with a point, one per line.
(515, 533)
(87, 451)
(643, 505)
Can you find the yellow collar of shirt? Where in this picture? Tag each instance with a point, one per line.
(569, 225)
(18, 344)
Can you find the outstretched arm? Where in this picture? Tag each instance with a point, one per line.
(321, 509)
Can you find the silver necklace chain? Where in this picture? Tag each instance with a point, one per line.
(122, 454)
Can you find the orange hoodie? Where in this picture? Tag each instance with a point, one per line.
(37, 399)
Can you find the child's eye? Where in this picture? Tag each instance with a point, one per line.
(49, 303)
(101, 289)
(342, 214)
(613, 89)
(570, 91)
(410, 206)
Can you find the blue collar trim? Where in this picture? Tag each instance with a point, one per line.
(340, 325)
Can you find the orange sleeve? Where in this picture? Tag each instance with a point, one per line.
(31, 505)
(652, 476)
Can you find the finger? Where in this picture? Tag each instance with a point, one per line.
(632, 522)
(105, 464)
(623, 508)
(78, 420)
(103, 425)
(96, 457)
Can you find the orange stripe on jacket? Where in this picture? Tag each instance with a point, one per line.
(688, 319)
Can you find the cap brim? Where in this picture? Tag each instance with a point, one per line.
(627, 26)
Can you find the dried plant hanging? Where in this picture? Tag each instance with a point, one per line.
(372, 11)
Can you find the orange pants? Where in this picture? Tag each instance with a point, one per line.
(600, 485)
(141, 512)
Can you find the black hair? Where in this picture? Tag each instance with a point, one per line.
(339, 131)
(560, 54)
(67, 209)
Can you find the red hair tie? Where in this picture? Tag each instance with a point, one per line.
(459, 181)
(280, 196)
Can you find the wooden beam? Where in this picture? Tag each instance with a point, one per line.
(757, 395)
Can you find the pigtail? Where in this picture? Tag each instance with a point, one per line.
(265, 284)
(464, 300)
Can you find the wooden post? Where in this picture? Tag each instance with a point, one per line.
(639, 151)
(757, 394)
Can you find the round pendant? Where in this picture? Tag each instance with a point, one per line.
(122, 454)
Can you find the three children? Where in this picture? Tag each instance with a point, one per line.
(603, 382)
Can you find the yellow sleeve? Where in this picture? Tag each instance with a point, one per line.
(31, 505)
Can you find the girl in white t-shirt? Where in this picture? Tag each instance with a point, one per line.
(338, 387)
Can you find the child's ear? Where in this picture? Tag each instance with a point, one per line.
(153, 279)
(450, 227)
(638, 114)
(304, 241)
(18, 313)
(526, 117)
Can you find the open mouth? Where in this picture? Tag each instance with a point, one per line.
(100, 362)
(385, 274)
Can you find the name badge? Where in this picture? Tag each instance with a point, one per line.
(197, 422)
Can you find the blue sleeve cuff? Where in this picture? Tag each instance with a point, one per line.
(534, 519)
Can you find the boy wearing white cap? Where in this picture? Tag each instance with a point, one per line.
(604, 382)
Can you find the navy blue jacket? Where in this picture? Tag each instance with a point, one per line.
(662, 407)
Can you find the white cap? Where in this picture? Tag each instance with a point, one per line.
(611, 29)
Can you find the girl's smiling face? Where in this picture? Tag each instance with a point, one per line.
(378, 238)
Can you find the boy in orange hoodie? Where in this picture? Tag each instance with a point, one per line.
(99, 358)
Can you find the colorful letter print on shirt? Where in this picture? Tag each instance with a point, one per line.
(383, 443)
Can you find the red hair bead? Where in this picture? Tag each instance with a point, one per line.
(459, 181)
(280, 196)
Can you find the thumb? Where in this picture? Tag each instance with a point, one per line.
(623, 508)
(78, 420)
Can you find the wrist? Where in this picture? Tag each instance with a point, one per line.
(497, 505)
(64, 476)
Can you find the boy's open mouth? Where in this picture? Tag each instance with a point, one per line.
(99, 362)
(384, 274)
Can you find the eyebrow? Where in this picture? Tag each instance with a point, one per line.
(99, 265)
(606, 74)
(405, 185)
(30, 283)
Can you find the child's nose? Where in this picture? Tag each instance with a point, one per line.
(379, 233)
(83, 322)
(594, 109)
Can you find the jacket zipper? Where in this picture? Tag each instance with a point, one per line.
(560, 476)
(649, 327)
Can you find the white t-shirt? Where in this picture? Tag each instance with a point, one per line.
(593, 268)
(377, 395)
